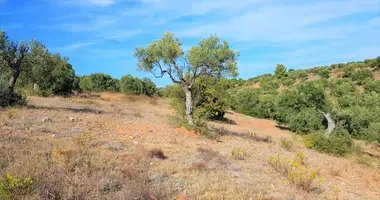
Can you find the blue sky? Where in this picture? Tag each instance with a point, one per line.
(100, 35)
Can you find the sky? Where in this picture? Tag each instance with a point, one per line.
(101, 35)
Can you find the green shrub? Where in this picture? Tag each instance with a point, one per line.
(12, 187)
(86, 84)
(372, 133)
(362, 76)
(305, 121)
(324, 72)
(280, 71)
(254, 102)
(9, 97)
(336, 144)
(134, 85)
(341, 87)
(99, 82)
(372, 86)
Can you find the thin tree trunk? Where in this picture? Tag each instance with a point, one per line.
(15, 74)
(189, 105)
(330, 123)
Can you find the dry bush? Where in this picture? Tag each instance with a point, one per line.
(238, 154)
(84, 101)
(208, 159)
(157, 153)
(266, 139)
(65, 171)
(297, 173)
(137, 115)
(335, 172)
(365, 161)
(287, 144)
(153, 101)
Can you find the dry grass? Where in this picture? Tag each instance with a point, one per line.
(287, 144)
(297, 173)
(107, 153)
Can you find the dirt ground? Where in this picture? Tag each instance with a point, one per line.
(195, 167)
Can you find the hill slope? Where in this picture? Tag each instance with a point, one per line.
(101, 148)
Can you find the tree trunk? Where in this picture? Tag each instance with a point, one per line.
(189, 105)
(330, 123)
(16, 70)
(15, 74)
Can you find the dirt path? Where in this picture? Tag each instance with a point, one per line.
(245, 124)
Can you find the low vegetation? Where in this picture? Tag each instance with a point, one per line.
(296, 171)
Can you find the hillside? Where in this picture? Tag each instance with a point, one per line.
(113, 146)
(299, 99)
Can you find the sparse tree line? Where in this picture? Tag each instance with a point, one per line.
(341, 100)
(30, 67)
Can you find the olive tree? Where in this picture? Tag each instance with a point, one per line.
(13, 55)
(210, 57)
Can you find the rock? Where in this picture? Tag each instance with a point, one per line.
(46, 119)
(114, 146)
(135, 142)
(71, 119)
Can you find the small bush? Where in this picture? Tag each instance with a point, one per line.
(286, 144)
(335, 144)
(365, 161)
(10, 98)
(238, 154)
(157, 153)
(11, 187)
(297, 173)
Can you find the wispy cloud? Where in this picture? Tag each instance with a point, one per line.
(74, 46)
(100, 3)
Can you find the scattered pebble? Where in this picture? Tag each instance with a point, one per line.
(47, 119)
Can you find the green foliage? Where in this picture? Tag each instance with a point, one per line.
(324, 72)
(134, 85)
(280, 71)
(85, 83)
(356, 119)
(372, 133)
(372, 86)
(103, 82)
(340, 87)
(362, 76)
(254, 102)
(11, 187)
(305, 121)
(209, 98)
(210, 58)
(9, 97)
(338, 144)
(303, 101)
(99, 82)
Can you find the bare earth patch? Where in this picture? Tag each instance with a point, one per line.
(117, 147)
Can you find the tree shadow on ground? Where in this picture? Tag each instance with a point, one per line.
(76, 110)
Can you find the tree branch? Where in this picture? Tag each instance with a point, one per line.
(163, 72)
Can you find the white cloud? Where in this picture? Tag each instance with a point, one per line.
(100, 3)
(276, 22)
(74, 46)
